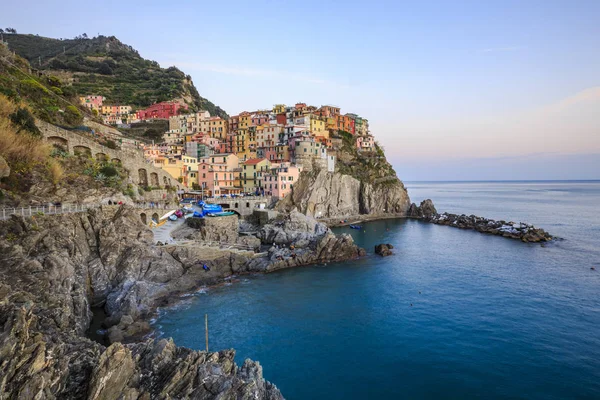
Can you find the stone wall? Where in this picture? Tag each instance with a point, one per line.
(141, 172)
(215, 229)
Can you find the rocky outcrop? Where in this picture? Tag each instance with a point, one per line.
(384, 250)
(323, 194)
(53, 269)
(520, 231)
(297, 239)
(425, 210)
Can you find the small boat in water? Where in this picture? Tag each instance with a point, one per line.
(356, 226)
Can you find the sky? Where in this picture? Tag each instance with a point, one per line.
(453, 90)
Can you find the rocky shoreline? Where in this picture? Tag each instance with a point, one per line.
(55, 269)
(520, 231)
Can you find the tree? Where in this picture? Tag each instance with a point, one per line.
(11, 30)
(105, 69)
(85, 36)
(1, 30)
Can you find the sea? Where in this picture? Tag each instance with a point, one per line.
(453, 314)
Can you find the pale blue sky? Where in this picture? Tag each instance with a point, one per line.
(454, 87)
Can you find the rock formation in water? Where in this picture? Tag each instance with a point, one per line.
(520, 231)
(383, 249)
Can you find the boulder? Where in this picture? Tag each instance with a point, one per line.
(384, 250)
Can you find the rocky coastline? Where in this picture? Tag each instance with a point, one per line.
(57, 268)
(519, 231)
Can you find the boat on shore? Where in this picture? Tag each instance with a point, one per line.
(220, 214)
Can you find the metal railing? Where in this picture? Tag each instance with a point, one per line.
(31, 211)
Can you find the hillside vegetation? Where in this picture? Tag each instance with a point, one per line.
(47, 96)
(103, 65)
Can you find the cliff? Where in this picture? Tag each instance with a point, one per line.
(363, 183)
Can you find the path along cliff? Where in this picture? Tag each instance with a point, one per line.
(55, 269)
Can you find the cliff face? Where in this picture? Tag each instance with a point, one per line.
(329, 195)
(363, 183)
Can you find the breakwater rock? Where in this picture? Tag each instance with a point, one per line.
(520, 231)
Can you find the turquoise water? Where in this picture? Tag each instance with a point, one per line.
(453, 314)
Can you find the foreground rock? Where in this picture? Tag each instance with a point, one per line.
(53, 269)
(520, 231)
(384, 250)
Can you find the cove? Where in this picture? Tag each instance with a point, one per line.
(452, 314)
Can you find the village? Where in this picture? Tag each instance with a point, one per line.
(254, 153)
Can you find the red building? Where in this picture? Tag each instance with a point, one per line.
(162, 110)
(281, 119)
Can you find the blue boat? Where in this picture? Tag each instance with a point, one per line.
(173, 217)
(356, 226)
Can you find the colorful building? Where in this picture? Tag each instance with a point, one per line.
(218, 174)
(163, 110)
(280, 180)
(365, 143)
(250, 174)
(93, 102)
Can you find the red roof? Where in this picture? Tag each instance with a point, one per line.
(254, 161)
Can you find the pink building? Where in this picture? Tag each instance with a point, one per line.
(280, 181)
(93, 102)
(218, 174)
(365, 143)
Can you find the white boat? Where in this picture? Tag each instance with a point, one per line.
(167, 215)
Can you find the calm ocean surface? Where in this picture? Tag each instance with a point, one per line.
(453, 314)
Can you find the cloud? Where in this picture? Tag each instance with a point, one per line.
(498, 49)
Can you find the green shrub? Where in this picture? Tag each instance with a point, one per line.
(23, 120)
(109, 170)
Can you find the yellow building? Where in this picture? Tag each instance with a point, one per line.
(217, 128)
(318, 127)
(278, 108)
(251, 173)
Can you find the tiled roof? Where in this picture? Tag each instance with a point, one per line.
(254, 161)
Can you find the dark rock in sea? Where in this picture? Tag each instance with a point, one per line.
(384, 250)
(425, 210)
